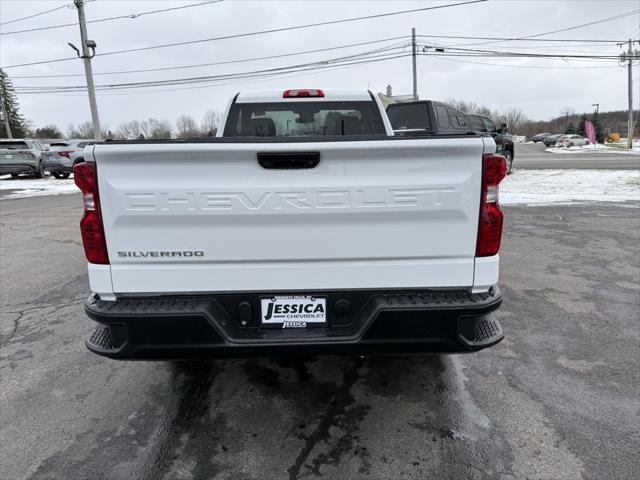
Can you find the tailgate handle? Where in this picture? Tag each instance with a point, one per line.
(288, 160)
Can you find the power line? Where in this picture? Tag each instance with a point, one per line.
(189, 80)
(131, 16)
(249, 34)
(36, 14)
(566, 29)
(362, 56)
(501, 53)
(595, 22)
(525, 55)
(268, 57)
(319, 65)
(438, 56)
(514, 39)
(235, 82)
(180, 67)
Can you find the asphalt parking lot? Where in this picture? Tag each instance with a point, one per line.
(557, 399)
(535, 156)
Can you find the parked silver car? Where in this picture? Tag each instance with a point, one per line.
(63, 155)
(21, 156)
(572, 141)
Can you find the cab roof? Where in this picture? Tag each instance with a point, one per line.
(330, 95)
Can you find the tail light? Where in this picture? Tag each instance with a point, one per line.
(305, 92)
(64, 153)
(494, 169)
(95, 246)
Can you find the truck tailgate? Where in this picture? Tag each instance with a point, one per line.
(207, 217)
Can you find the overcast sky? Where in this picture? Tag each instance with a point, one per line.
(506, 82)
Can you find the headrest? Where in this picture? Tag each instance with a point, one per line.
(263, 127)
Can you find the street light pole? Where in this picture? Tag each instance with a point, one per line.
(414, 61)
(86, 57)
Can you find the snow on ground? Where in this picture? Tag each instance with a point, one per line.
(599, 148)
(22, 187)
(538, 187)
(534, 187)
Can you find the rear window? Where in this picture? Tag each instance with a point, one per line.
(458, 119)
(409, 116)
(59, 144)
(450, 118)
(443, 116)
(491, 127)
(477, 124)
(291, 119)
(14, 145)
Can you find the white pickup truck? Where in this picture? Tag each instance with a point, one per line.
(306, 226)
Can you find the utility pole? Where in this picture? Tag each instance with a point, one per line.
(630, 114)
(413, 59)
(628, 57)
(597, 105)
(5, 116)
(86, 57)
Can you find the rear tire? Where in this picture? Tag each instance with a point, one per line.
(61, 175)
(39, 173)
(15, 175)
(509, 156)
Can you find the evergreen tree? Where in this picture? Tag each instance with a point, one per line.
(599, 128)
(570, 129)
(11, 109)
(580, 130)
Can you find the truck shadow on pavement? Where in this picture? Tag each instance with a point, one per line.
(344, 417)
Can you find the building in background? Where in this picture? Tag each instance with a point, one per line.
(388, 97)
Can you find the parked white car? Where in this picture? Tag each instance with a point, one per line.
(62, 156)
(572, 141)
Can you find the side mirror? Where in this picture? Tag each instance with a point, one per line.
(503, 128)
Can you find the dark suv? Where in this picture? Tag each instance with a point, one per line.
(504, 140)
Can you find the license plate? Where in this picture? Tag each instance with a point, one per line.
(298, 311)
(8, 156)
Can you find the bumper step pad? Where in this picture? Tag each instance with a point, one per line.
(101, 340)
(486, 332)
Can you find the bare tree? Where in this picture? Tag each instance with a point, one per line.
(471, 107)
(514, 118)
(210, 123)
(150, 128)
(566, 112)
(83, 130)
(156, 128)
(465, 106)
(186, 127)
(129, 130)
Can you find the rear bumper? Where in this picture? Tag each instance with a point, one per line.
(55, 167)
(18, 168)
(228, 325)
